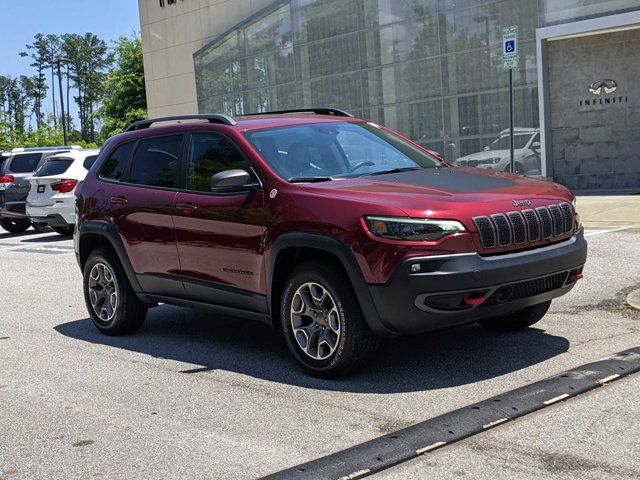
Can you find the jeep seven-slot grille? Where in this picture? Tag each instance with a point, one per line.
(515, 228)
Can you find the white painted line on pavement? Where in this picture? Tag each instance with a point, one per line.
(608, 379)
(433, 446)
(497, 422)
(556, 399)
(600, 232)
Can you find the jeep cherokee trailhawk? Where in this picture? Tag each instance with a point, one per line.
(334, 229)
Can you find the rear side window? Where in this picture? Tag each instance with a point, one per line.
(89, 161)
(155, 162)
(25, 162)
(54, 166)
(209, 154)
(114, 167)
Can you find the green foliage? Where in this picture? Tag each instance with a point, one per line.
(124, 100)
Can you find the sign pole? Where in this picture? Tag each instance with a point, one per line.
(511, 157)
(510, 61)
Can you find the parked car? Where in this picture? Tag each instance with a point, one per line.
(497, 155)
(267, 217)
(51, 202)
(16, 170)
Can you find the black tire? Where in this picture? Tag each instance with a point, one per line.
(15, 225)
(130, 313)
(356, 343)
(63, 230)
(519, 320)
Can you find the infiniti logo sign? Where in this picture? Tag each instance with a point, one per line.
(608, 85)
(521, 203)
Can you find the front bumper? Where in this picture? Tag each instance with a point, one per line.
(436, 296)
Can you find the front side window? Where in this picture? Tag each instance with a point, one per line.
(211, 153)
(25, 162)
(54, 166)
(336, 150)
(155, 162)
(114, 167)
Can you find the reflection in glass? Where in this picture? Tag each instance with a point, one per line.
(431, 69)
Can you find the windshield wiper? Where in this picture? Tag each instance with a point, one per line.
(395, 170)
(309, 179)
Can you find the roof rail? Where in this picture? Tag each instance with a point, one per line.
(44, 149)
(211, 117)
(317, 111)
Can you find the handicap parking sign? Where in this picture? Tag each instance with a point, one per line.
(509, 46)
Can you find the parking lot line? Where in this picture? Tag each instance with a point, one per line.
(389, 450)
(601, 232)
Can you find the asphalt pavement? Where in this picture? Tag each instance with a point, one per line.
(194, 395)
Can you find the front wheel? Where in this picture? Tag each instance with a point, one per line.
(519, 320)
(111, 302)
(15, 225)
(322, 322)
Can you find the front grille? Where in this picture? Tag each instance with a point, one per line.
(486, 231)
(518, 227)
(528, 288)
(538, 286)
(503, 229)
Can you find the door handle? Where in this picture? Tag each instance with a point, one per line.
(186, 207)
(118, 200)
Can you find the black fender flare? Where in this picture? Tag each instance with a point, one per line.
(110, 232)
(347, 259)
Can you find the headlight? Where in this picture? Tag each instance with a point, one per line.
(414, 229)
(574, 202)
(494, 160)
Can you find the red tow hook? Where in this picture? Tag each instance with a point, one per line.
(575, 277)
(470, 300)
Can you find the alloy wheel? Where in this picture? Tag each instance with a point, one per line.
(315, 321)
(103, 292)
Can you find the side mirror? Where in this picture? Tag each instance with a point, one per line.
(231, 181)
(535, 146)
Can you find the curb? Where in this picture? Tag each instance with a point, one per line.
(633, 299)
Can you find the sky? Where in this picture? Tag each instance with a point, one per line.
(20, 20)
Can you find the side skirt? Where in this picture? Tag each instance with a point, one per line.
(181, 302)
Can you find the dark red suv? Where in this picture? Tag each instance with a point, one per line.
(332, 228)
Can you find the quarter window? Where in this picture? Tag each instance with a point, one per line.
(114, 167)
(155, 162)
(209, 154)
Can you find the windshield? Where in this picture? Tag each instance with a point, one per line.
(336, 150)
(502, 143)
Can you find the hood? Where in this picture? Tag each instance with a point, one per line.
(445, 192)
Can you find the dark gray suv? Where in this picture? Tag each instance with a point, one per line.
(16, 169)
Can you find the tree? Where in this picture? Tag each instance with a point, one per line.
(125, 99)
(40, 54)
(89, 57)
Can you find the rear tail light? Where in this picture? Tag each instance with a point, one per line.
(66, 185)
(76, 191)
(7, 179)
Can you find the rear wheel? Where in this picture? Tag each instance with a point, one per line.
(15, 225)
(111, 302)
(322, 323)
(63, 230)
(519, 320)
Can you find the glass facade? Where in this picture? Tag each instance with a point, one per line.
(430, 69)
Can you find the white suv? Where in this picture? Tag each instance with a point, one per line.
(51, 201)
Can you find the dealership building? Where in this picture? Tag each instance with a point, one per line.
(431, 69)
